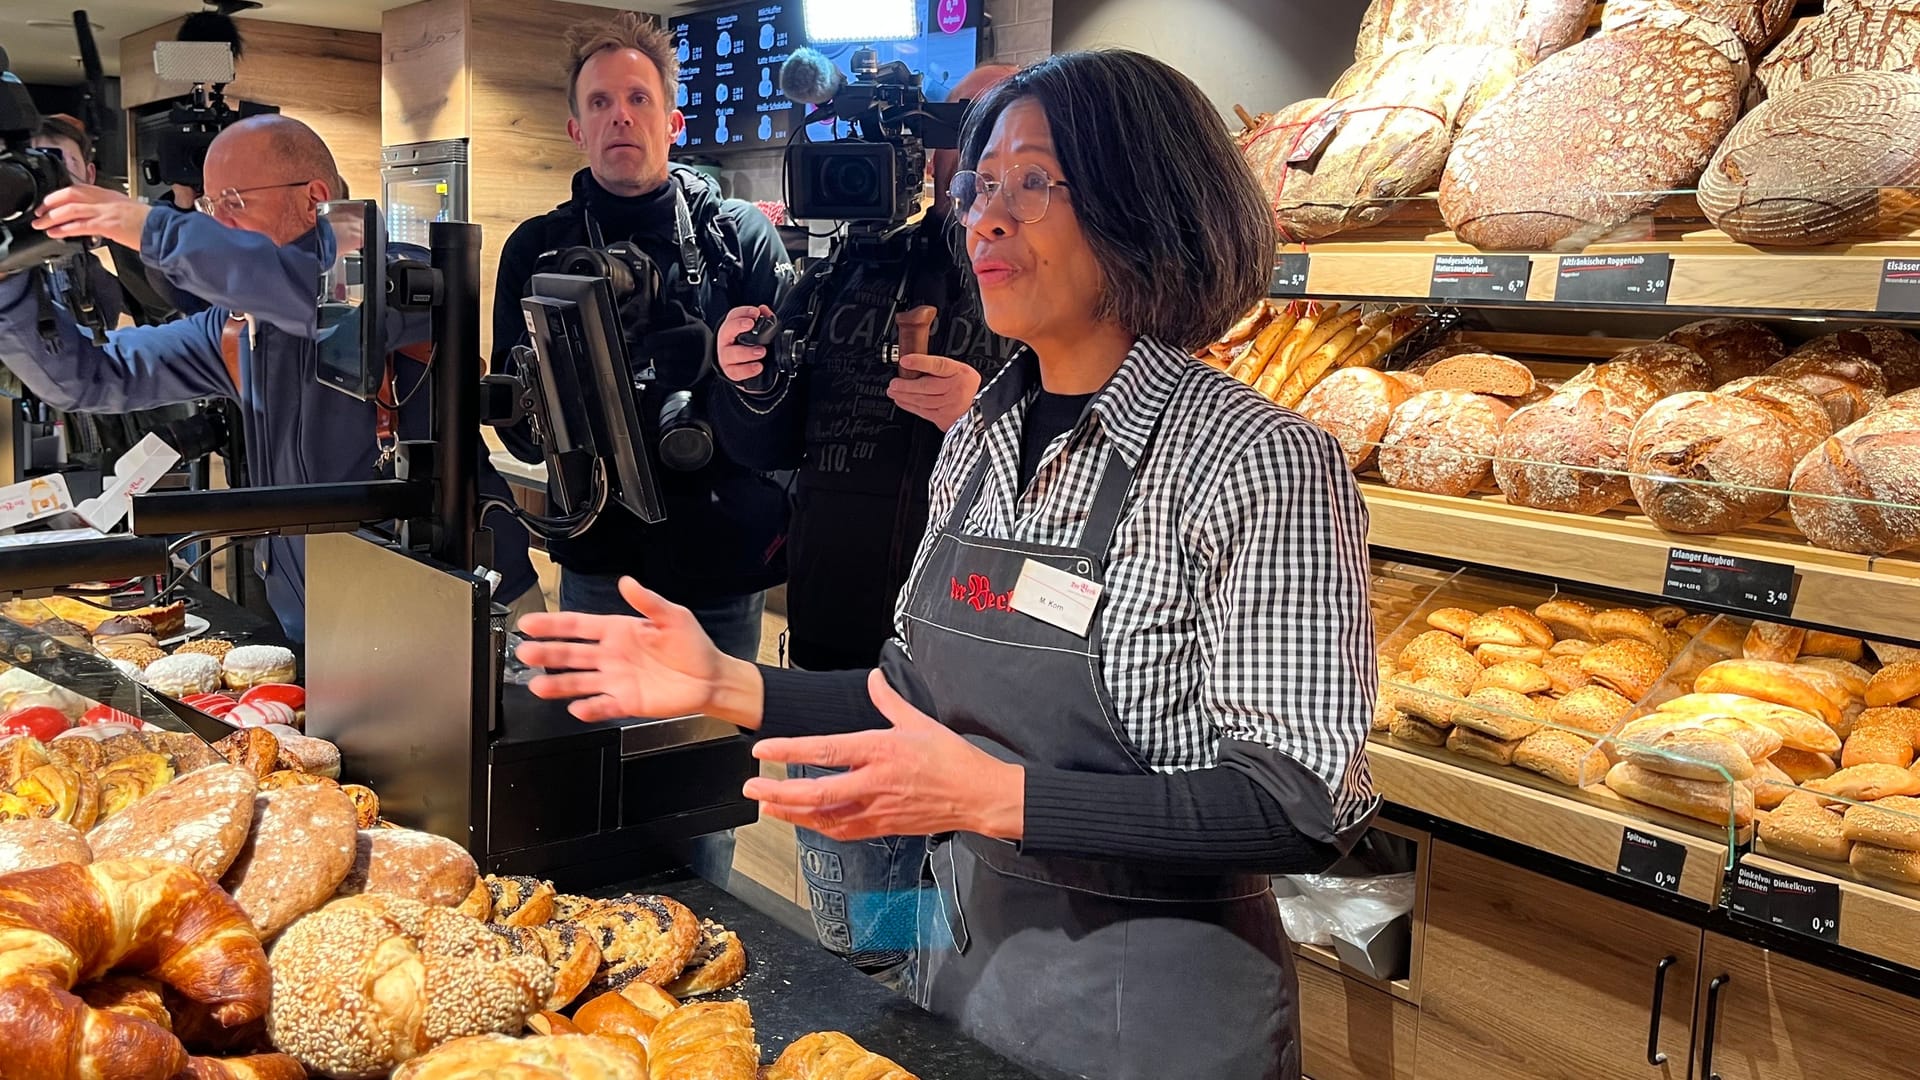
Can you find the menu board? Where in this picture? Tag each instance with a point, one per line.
(730, 75)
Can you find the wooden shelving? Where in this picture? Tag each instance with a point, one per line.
(1873, 597)
(1874, 919)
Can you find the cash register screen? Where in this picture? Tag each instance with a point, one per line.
(352, 346)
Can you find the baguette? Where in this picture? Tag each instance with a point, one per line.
(1798, 729)
(1382, 343)
(1893, 822)
(1309, 370)
(1714, 803)
(1324, 331)
(1801, 826)
(1281, 361)
(1267, 344)
(1779, 683)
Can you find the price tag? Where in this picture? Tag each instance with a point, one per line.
(1790, 903)
(1651, 860)
(1753, 586)
(1480, 277)
(1613, 279)
(1290, 276)
(1900, 285)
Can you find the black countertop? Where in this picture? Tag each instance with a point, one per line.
(794, 987)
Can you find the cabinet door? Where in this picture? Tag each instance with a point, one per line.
(1780, 1019)
(1524, 977)
(1352, 1032)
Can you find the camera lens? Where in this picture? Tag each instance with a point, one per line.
(850, 180)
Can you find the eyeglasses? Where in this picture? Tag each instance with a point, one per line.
(1027, 189)
(230, 200)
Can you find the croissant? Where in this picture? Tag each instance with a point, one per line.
(255, 1067)
(829, 1055)
(62, 925)
(705, 1041)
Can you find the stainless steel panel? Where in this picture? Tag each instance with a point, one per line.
(648, 736)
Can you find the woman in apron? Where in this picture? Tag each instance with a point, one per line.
(1134, 671)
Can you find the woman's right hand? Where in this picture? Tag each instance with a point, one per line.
(740, 362)
(658, 666)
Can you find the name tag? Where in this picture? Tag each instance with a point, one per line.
(1056, 597)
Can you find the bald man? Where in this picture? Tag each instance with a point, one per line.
(256, 253)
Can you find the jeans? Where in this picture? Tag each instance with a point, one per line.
(863, 893)
(734, 626)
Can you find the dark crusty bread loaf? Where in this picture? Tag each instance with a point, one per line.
(1482, 373)
(1567, 453)
(1851, 35)
(1859, 491)
(1443, 441)
(1756, 24)
(1790, 400)
(1353, 405)
(1837, 369)
(1638, 14)
(1590, 138)
(1537, 28)
(1707, 463)
(1675, 368)
(1896, 352)
(1635, 387)
(1833, 158)
(1732, 348)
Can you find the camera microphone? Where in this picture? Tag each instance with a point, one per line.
(810, 78)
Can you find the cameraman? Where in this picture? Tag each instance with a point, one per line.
(64, 134)
(257, 250)
(860, 503)
(719, 547)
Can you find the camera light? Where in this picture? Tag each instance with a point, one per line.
(864, 21)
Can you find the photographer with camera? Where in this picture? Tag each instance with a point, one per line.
(64, 134)
(720, 545)
(863, 435)
(257, 252)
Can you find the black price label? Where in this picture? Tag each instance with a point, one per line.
(1651, 860)
(1754, 586)
(1900, 285)
(1613, 279)
(1790, 903)
(1290, 276)
(1480, 277)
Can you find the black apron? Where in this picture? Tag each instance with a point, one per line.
(1075, 967)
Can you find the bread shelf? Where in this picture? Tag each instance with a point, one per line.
(1873, 920)
(1872, 597)
(1711, 274)
(1557, 822)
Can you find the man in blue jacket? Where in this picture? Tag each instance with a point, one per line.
(257, 254)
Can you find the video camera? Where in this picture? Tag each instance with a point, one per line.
(193, 124)
(874, 179)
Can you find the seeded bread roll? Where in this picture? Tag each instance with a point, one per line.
(1866, 783)
(1499, 714)
(1567, 453)
(1560, 756)
(1496, 628)
(1594, 710)
(1886, 864)
(1706, 463)
(1453, 620)
(1492, 653)
(1771, 785)
(1443, 441)
(1859, 491)
(1893, 684)
(1354, 405)
(1630, 667)
(1616, 624)
(1518, 677)
(1567, 618)
(1425, 645)
(1564, 675)
(1454, 667)
(1588, 140)
(1801, 826)
(1411, 729)
(1892, 822)
(1674, 369)
(1470, 743)
(1481, 373)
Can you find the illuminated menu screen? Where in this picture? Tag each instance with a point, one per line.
(730, 75)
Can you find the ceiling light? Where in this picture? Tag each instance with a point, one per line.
(58, 24)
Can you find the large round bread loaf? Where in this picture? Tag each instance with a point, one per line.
(1852, 35)
(1707, 463)
(1639, 14)
(1401, 112)
(1675, 369)
(1568, 453)
(1838, 370)
(1732, 348)
(1756, 24)
(1588, 140)
(1634, 386)
(1353, 405)
(1834, 158)
(1537, 28)
(1790, 401)
(1859, 491)
(1443, 441)
(1895, 351)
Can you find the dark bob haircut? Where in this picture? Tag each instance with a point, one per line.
(1183, 235)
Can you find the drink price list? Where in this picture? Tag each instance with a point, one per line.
(730, 75)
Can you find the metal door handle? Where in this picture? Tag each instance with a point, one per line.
(1654, 1054)
(1713, 1024)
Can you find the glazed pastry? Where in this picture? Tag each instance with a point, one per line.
(125, 630)
(574, 957)
(250, 714)
(250, 665)
(366, 804)
(830, 1055)
(708, 1039)
(178, 676)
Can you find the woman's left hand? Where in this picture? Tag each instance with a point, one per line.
(915, 778)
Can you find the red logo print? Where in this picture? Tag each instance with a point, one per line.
(978, 592)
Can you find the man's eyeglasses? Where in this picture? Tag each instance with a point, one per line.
(231, 199)
(1027, 189)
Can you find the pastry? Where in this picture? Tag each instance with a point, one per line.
(312, 755)
(253, 749)
(417, 865)
(125, 630)
(546, 1022)
(254, 714)
(179, 676)
(644, 938)
(63, 922)
(707, 1039)
(575, 958)
(545, 1057)
(568, 907)
(187, 752)
(369, 982)
(478, 903)
(141, 656)
(610, 1014)
(520, 901)
(218, 648)
(719, 961)
(829, 1055)
(125, 782)
(293, 697)
(31, 843)
(1801, 826)
(59, 792)
(298, 852)
(199, 821)
(366, 805)
(251, 665)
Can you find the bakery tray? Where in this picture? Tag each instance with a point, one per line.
(795, 987)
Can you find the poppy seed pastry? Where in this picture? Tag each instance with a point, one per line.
(520, 901)
(642, 938)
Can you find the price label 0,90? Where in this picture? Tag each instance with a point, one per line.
(1788, 902)
(1651, 861)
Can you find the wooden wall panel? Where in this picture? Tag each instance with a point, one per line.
(327, 79)
(424, 77)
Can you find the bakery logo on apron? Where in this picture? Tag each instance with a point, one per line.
(978, 593)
